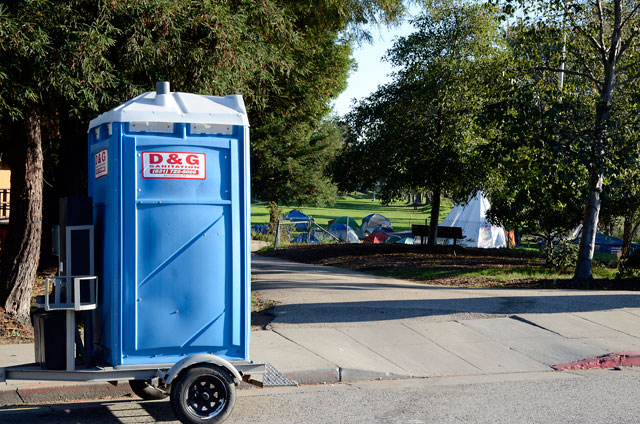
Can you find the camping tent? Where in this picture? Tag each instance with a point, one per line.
(405, 240)
(299, 218)
(375, 238)
(344, 233)
(478, 232)
(352, 223)
(375, 221)
(302, 239)
(393, 239)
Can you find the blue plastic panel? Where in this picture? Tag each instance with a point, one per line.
(172, 218)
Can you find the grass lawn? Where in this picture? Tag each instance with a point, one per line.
(357, 207)
(504, 274)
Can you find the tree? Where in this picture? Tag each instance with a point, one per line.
(418, 132)
(42, 44)
(288, 163)
(602, 49)
(537, 131)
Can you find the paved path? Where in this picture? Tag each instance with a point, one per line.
(337, 325)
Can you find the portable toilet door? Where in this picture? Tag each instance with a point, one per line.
(169, 178)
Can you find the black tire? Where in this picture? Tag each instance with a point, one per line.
(147, 392)
(203, 394)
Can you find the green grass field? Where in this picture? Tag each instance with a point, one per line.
(532, 272)
(357, 207)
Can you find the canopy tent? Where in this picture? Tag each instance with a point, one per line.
(375, 221)
(344, 233)
(478, 232)
(405, 240)
(352, 223)
(375, 238)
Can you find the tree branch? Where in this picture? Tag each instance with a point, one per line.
(628, 80)
(626, 43)
(599, 47)
(567, 71)
(583, 62)
(600, 22)
(633, 12)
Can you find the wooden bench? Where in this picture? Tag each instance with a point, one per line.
(422, 231)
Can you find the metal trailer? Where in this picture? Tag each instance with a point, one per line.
(165, 298)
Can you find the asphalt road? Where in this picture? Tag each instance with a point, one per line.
(596, 396)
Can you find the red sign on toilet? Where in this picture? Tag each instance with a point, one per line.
(101, 160)
(175, 165)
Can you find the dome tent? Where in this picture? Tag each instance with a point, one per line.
(478, 232)
(355, 227)
(375, 221)
(300, 219)
(375, 238)
(302, 239)
(297, 216)
(344, 233)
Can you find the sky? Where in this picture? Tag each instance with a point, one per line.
(371, 71)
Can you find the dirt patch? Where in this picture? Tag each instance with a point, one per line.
(443, 265)
(261, 314)
(11, 332)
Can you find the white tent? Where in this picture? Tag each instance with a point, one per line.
(478, 232)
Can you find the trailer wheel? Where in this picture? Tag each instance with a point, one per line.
(203, 394)
(143, 389)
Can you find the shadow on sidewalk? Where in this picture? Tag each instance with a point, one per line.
(382, 310)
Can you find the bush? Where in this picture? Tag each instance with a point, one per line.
(629, 266)
(563, 256)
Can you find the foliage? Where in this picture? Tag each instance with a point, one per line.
(537, 133)
(563, 255)
(275, 213)
(628, 267)
(600, 49)
(419, 132)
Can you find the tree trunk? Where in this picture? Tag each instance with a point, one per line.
(626, 238)
(589, 230)
(21, 256)
(434, 218)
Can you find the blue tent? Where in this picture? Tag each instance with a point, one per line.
(344, 233)
(302, 239)
(297, 216)
(263, 229)
(300, 218)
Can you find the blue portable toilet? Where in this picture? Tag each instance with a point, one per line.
(169, 178)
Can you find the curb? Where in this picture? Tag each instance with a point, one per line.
(340, 375)
(32, 394)
(622, 359)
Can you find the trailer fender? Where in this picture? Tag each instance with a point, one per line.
(202, 358)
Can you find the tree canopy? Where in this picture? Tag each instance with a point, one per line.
(420, 130)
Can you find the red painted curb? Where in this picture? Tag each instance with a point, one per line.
(622, 359)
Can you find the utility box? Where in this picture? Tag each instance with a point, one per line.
(169, 179)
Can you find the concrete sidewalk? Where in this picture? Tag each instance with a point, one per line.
(335, 325)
